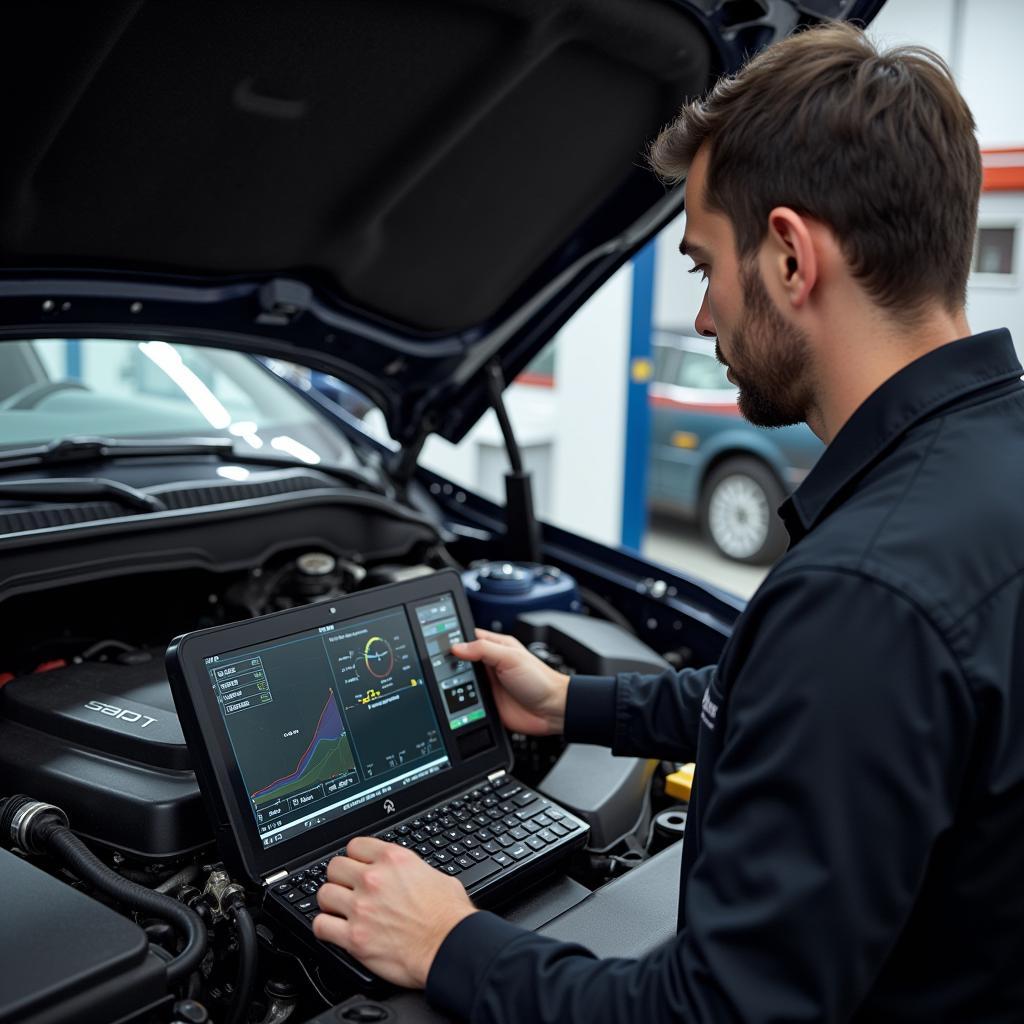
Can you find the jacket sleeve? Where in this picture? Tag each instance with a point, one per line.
(848, 728)
(639, 716)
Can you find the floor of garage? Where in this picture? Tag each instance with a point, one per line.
(679, 545)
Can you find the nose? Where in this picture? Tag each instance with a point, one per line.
(704, 322)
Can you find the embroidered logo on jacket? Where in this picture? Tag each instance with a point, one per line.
(708, 710)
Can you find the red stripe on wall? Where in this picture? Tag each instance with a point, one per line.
(1002, 170)
(536, 380)
(715, 408)
(1002, 179)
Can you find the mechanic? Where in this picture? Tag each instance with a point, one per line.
(856, 835)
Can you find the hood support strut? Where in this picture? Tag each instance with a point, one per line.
(521, 526)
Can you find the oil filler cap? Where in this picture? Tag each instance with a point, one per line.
(505, 578)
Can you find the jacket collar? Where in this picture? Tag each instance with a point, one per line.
(930, 383)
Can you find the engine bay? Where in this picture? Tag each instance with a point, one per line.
(88, 725)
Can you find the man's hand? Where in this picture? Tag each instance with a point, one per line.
(388, 909)
(530, 695)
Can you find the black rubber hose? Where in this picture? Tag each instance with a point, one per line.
(185, 876)
(63, 844)
(247, 963)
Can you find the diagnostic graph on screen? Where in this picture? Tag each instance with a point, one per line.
(324, 764)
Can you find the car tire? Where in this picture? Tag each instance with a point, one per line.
(739, 512)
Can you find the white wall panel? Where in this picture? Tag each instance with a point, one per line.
(991, 69)
(917, 22)
(591, 371)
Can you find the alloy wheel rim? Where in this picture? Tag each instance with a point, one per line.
(738, 516)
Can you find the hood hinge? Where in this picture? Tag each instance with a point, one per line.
(283, 301)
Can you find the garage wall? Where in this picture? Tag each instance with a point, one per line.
(981, 41)
(677, 294)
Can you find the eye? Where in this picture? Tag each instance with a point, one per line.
(700, 268)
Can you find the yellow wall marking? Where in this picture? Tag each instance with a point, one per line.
(641, 370)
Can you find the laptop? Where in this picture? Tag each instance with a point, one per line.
(311, 726)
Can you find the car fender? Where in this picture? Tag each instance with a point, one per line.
(743, 442)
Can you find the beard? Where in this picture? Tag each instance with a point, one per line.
(770, 360)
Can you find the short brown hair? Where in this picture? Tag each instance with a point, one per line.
(878, 145)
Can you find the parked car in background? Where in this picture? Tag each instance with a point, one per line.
(712, 466)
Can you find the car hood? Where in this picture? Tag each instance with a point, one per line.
(396, 192)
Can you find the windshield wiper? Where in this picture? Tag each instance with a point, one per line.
(85, 449)
(77, 489)
(88, 449)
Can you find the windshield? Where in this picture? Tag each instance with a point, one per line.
(56, 388)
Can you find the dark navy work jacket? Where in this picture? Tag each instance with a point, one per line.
(855, 843)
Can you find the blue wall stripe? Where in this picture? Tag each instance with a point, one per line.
(638, 414)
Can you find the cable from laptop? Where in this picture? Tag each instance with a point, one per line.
(39, 828)
(316, 983)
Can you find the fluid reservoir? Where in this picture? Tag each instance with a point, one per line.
(499, 592)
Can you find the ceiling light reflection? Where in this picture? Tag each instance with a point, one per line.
(169, 360)
(246, 430)
(297, 449)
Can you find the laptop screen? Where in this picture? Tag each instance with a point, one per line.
(329, 720)
(322, 722)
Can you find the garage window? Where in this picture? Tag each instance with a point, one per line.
(994, 250)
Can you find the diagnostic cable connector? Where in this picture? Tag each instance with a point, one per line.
(23, 821)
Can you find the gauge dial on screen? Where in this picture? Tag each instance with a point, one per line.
(379, 657)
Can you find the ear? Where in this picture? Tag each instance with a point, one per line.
(791, 259)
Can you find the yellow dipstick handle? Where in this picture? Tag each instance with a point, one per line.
(680, 783)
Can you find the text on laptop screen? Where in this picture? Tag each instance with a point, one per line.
(324, 721)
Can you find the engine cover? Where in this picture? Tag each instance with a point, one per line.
(102, 741)
(67, 958)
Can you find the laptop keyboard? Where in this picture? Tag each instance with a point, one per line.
(476, 837)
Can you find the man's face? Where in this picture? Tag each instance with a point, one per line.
(769, 359)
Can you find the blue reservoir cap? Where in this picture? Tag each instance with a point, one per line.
(505, 578)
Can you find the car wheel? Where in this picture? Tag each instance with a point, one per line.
(739, 512)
